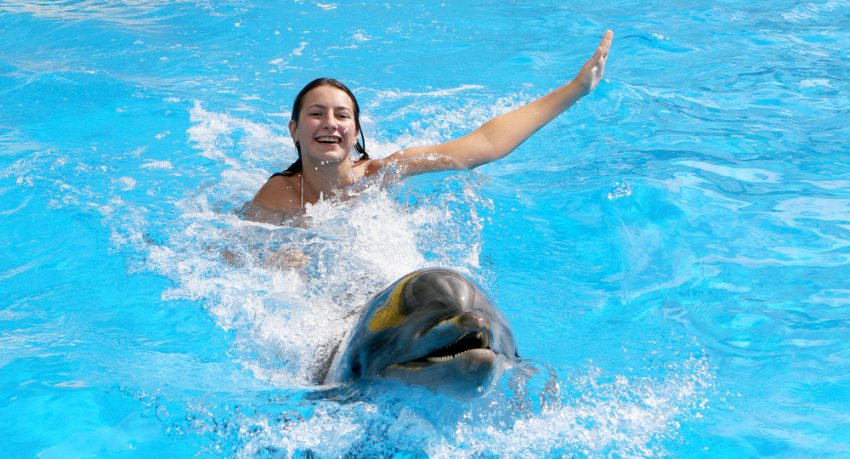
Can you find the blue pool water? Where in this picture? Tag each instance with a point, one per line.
(673, 253)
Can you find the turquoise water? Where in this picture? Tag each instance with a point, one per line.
(672, 253)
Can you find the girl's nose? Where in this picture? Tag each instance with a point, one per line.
(329, 122)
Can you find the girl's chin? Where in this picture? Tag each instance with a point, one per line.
(328, 157)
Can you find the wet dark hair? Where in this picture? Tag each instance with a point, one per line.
(360, 147)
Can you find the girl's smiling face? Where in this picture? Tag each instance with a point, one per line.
(326, 129)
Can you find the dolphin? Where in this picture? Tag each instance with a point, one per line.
(434, 328)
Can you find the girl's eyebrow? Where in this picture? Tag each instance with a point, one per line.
(324, 107)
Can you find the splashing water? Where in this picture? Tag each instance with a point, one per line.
(671, 253)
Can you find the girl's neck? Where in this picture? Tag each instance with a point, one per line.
(325, 179)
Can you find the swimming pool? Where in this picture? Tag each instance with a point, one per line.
(672, 252)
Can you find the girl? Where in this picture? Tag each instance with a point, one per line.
(325, 126)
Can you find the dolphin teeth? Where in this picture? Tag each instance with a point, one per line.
(446, 358)
(466, 343)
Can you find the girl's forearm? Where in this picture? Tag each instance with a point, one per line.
(506, 132)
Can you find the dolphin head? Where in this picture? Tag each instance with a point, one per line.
(433, 328)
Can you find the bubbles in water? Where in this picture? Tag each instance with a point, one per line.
(621, 189)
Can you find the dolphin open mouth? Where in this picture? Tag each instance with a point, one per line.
(469, 341)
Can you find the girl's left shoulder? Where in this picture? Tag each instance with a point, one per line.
(367, 167)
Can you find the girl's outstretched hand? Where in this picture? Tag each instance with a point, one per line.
(592, 70)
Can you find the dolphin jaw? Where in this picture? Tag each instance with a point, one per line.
(463, 375)
(468, 355)
(468, 345)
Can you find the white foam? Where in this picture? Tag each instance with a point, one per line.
(214, 133)
(286, 320)
(431, 122)
(390, 94)
(591, 415)
(164, 165)
(127, 183)
(625, 417)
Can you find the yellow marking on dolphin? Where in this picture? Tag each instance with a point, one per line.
(390, 315)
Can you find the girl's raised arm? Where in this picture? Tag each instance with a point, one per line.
(501, 135)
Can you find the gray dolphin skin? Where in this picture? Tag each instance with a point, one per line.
(433, 328)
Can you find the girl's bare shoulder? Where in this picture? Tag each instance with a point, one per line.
(279, 193)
